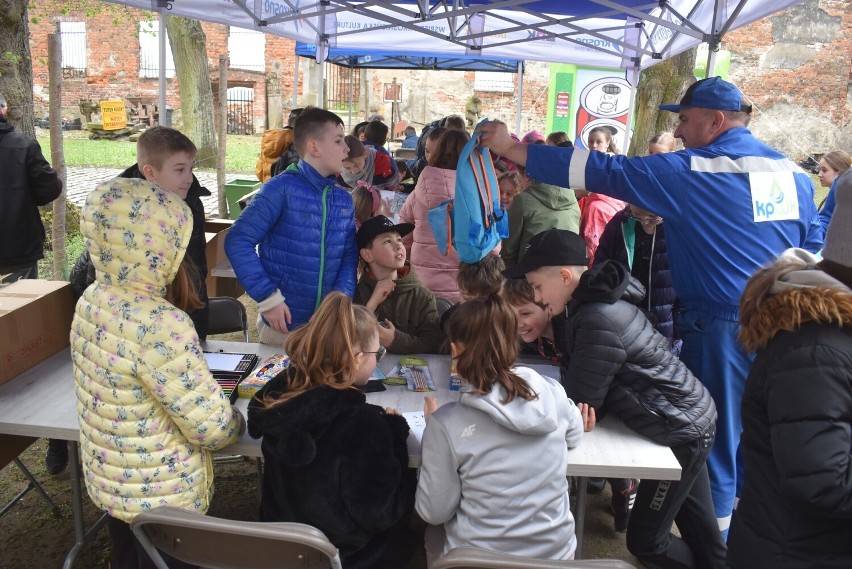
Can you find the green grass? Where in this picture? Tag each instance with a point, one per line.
(241, 151)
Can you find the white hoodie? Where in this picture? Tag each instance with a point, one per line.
(495, 474)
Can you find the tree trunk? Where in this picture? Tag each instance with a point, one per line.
(189, 49)
(665, 82)
(16, 68)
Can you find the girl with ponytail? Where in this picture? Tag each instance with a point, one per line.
(494, 464)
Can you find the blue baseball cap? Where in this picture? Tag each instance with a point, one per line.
(713, 93)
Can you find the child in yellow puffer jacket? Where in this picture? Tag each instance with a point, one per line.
(150, 410)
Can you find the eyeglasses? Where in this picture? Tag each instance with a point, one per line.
(648, 219)
(380, 353)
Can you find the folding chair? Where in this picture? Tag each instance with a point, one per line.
(227, 315)
(216, 543)
(475, 558)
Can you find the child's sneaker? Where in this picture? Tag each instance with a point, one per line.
(622, 503)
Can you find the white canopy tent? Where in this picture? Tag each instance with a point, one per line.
(620, 34)
(626, 34)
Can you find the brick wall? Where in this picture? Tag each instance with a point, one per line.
(112, 46)
(795, 66)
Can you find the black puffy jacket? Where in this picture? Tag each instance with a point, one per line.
(796, 504)
(83, 273)
(618, 362)
(27, 182)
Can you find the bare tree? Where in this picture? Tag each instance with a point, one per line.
(665, 82)
(189, 50)
(16, 69)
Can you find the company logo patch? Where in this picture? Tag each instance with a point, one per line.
(468, 431)
(773, 196)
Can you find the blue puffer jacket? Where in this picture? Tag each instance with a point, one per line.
(660, 294)
(305, 228)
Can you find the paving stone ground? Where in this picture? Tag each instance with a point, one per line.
(82, 180)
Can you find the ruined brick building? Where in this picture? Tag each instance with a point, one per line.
(796, 66)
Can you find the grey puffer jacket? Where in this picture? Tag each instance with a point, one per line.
(618, 362)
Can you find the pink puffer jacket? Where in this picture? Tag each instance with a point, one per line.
(437, 272)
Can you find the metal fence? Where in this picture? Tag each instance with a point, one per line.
(241, 110)
(340, 81)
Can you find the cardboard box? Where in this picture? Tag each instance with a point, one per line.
(215, 231)
(35, 322)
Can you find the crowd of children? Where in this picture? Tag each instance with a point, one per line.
(338, 284)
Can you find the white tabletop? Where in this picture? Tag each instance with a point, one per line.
(41, 403)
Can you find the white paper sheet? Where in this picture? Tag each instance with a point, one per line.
(416, 422)
(223, 362)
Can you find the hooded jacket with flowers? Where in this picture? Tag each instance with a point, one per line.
(148, 405)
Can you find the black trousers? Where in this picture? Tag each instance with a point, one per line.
(18, 272)
(127, 552)
(688, 502)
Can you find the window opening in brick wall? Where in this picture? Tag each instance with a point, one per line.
(149, 51)
(240, 110)
(338, 80)
(73, 38)
(494, 82)
(247, 49)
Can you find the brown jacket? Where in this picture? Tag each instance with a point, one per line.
(273, 143)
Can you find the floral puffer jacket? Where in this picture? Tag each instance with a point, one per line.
(149, 408)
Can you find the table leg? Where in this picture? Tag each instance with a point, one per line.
(81, 536)
(580, 514)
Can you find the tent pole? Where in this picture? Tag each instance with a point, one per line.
(632, 76)
(520, 97)
(321, 86)
(296, 83)
(161, 118)
(713, 44)
(711, 62)
(351, 75)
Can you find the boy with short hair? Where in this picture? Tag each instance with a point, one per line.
(295, 242)
(535, 327)
(166, 157)
(617, 362)
(389, 287)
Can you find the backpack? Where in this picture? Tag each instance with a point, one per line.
(473, 222)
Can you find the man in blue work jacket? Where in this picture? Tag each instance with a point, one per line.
(731, 204)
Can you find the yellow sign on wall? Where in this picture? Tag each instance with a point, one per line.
(113, 115)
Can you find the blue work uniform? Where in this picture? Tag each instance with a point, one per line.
(730, 207)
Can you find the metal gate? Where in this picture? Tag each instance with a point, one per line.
(340, 81)
(240, 110)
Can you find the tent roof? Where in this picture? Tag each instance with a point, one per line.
(377, 59)
(606, 33)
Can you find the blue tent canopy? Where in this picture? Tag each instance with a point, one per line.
(401, 60)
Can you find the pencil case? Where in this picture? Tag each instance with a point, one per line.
(416, 373)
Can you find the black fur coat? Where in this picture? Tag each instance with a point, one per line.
(337, 463)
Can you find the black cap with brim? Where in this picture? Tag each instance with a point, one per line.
(551, 248)
(375, 226)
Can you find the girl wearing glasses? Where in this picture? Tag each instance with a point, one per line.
(482, 479)
(332, 460)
